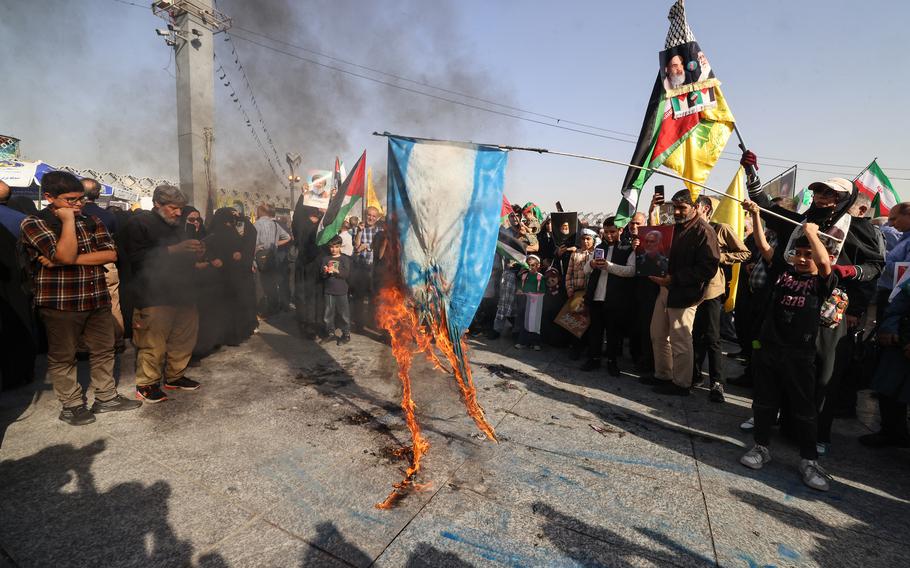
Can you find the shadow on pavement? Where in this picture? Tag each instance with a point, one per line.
(70, 522)
(588, 545)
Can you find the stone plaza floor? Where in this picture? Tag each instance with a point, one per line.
(280, 457)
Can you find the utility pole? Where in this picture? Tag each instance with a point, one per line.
(191, 27)
(293, 161)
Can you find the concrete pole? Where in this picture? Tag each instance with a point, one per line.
(195, 55)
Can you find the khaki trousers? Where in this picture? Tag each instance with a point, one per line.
(163, 333)
(671, 338)
(64, 330)
(112, 277)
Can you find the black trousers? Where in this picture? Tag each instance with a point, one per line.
(611, 321)
(640, 333)
(362, 295)
(785, 372)
(894, 417)
(309, 299)
(834, 348)
(706, 339)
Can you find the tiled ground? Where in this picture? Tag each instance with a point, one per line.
(279, 459)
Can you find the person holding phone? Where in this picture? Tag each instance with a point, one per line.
(336, 270)
(607, 295)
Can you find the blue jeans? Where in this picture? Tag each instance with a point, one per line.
(337, 306)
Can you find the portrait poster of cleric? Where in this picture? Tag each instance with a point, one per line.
(782, 185)
(688, 79)
(653, 252)
(319, 191)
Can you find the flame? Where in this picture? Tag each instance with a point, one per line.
(413, 333)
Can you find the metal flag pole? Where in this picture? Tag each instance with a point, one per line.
(859, 175)
(609, 161)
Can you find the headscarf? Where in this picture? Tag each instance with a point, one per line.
(530, 206)
(192, 231)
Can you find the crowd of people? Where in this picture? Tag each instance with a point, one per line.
(813, 292)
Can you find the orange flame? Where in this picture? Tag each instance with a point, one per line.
(399, 318)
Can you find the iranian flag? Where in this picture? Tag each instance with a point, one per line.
(874, 183)
(348, 195)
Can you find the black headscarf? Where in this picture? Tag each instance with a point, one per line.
(192, 231)
(826, 217)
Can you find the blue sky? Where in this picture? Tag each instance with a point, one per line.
(92, 86)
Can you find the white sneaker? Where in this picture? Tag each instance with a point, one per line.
(822, 448)
(756, 457)
(748, 425)
(520, 346)
(537, 348)
(814, 476)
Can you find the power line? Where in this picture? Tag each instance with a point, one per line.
(502, 105)
(558, 124)
(249, 88)
(494, 111)
(425, 94)
(246, 117)
(428, 85)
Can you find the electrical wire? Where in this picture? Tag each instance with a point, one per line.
(559, 122)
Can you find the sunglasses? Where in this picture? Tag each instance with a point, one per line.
(826, 192)
(73, 200)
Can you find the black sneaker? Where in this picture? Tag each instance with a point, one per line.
(150, 393)
(671, 389)
(345, 338)
(613, 369)
(77, 415)
(492, 334)
(590, 364)
(182, 383)
(717, 393)
(115, 404)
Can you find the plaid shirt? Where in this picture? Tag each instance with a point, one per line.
(367, 234)
(69, 287)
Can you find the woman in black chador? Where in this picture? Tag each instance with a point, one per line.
(217, 299)
(244, 277)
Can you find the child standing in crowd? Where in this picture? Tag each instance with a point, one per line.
(553, 301)
(336, 269)
(530, 299)
(785, 363)
(577, 274)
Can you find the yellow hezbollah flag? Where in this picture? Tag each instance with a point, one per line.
(696, 155)
(372, 199)
(731, 212)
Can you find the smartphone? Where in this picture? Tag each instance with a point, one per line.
(659, 190)
(559, 207)
(598, 254)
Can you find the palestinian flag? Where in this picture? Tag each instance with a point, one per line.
(506, 210)
(348, 195)
(874, 183)
(510, 248)
(689, 143)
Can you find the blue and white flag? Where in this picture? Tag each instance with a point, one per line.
(445, 199)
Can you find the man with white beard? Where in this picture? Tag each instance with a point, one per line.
(165, 321)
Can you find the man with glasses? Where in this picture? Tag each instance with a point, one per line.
(67, 252)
